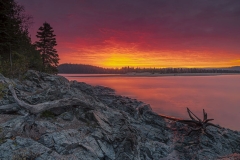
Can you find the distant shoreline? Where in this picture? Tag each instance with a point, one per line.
(146, 74)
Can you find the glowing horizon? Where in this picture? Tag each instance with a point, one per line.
(117, 59)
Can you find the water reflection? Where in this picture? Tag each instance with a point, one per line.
(218, 95)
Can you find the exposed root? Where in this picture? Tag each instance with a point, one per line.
(38, 108)
(196, 124)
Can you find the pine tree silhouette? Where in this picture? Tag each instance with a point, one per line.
(45, 45)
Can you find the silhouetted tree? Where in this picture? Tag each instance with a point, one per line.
(17, 54)
(45, 45)
(89, 69)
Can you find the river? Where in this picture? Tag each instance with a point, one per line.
(171, 95)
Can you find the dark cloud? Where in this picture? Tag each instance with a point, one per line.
(197, 25)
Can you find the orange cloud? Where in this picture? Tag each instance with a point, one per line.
(115, 54)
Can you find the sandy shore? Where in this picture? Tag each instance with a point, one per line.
(146, 74)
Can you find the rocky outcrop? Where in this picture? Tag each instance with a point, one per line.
(79, 121)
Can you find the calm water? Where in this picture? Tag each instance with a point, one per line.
(170, 95)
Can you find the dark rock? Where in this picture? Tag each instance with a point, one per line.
(67, 116)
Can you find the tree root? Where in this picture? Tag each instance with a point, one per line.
(38, 108)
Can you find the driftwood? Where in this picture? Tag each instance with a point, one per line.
(196, 124)
(169, 117)
(38, 108)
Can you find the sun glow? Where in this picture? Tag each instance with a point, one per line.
(118, 60)
(115, 56)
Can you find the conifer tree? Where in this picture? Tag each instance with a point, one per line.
(45, 45)
(17, 54)
(13, 28)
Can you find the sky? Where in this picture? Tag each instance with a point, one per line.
(142, 33)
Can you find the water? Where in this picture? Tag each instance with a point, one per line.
(170, 95)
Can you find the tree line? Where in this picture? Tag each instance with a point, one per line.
(89, 69)
(17, 52)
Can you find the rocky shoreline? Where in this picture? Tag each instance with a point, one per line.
(45, 116)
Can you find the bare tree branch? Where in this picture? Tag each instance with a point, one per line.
(190, 112)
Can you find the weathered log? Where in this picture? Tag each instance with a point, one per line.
(38, 108)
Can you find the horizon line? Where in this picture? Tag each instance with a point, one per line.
(148, 67)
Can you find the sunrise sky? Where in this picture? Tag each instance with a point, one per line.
(142, 33)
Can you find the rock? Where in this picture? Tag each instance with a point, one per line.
(92, 122)
(67, 116)
(21, 148)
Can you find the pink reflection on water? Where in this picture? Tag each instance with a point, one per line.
(218, 95)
